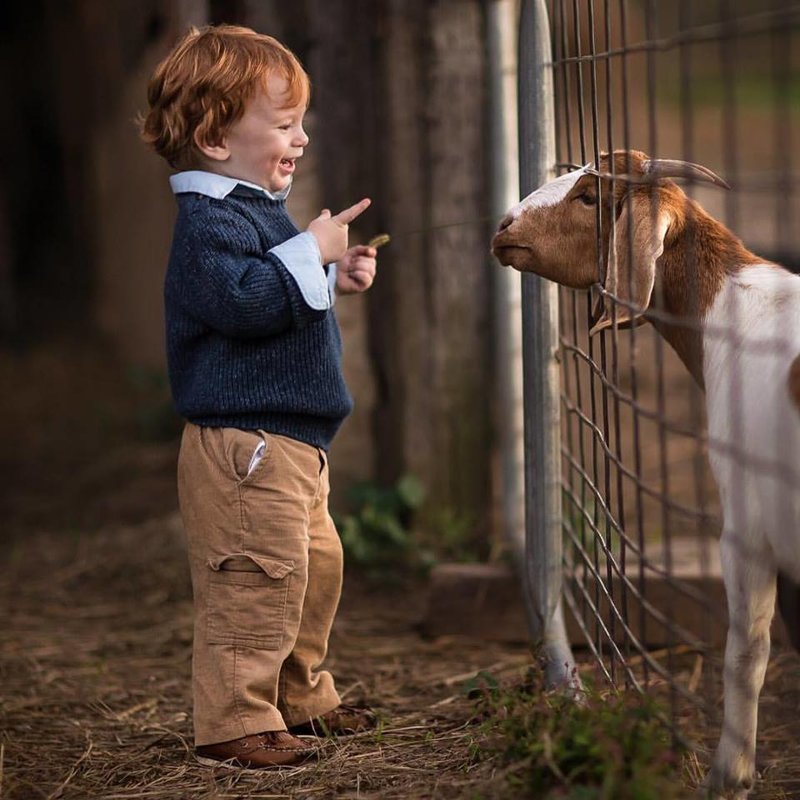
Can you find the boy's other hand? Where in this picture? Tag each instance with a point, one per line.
(356, 270)
(331, 231)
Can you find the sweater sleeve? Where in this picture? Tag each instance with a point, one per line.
(235, 288)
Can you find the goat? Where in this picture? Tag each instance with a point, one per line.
(734, 320)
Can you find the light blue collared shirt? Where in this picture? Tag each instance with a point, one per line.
(300, 254)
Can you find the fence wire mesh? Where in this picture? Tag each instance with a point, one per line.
(715, 83)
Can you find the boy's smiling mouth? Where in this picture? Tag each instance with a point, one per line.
(288, 164)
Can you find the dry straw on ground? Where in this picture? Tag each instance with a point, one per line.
(95, 674)
(95, 687)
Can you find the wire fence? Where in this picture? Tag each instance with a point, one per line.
(714, 83)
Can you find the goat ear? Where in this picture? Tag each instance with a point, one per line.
(637, 242)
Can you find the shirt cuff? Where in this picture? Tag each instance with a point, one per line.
(332, 282)
(301, 257)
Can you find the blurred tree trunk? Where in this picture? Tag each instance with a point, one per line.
(400, 96)
(77, 58)
(39, 287)
(119, 217)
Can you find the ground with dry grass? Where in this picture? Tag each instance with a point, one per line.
(96, 695)
(95, 674)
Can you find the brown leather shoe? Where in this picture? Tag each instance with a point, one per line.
(263, 750)
(342, 721)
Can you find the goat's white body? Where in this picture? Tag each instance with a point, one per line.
(751, 336)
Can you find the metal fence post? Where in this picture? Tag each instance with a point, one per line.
(502, 18)
(543, 525)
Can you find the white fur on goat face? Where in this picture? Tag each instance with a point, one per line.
(549, 194)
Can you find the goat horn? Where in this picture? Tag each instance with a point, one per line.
(672, 168)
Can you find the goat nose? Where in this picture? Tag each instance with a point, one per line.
(505, 222)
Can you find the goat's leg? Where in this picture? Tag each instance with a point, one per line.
(750, 586)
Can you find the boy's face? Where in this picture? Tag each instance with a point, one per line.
(263, 146)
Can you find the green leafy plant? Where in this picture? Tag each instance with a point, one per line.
(376, 535)
(603, 746)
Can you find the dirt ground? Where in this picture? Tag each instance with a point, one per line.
(96, 670)
(96, 642)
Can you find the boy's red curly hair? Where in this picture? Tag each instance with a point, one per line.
(200, 89)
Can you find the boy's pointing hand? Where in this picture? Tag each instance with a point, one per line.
(331, 231)
(349, 214)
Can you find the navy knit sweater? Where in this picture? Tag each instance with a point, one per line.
(244, 349)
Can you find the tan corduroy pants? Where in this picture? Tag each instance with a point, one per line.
(266, 566)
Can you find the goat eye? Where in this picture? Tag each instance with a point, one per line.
(588, 199)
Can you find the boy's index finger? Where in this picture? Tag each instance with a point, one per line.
(349, 214)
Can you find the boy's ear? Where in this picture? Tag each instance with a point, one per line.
(216, 152)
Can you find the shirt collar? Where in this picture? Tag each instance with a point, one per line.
(218, 186)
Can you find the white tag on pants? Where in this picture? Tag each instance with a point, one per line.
(258, 454)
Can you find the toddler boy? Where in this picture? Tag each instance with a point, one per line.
(254, 357)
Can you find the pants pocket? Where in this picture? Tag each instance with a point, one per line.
(247, 598)
(238, 454)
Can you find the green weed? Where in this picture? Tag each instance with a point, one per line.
(609, 745)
